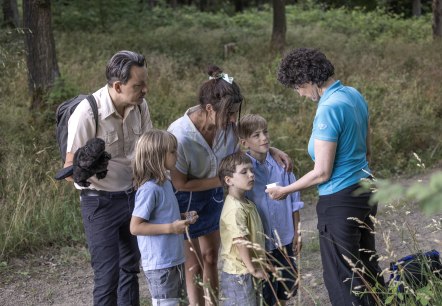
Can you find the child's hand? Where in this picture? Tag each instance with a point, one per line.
(179, 226)
(260, 274)
(191, 217)
(297, 243)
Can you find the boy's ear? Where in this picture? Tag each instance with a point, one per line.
(243, 142)
(227, 180)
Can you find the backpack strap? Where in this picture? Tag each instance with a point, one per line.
(94, 107)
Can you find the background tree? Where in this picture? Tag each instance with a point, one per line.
(437, 19)
(365, 4)
(416, 8)
(10, 14)
(239, 5)
(40, 45)
(279, 25)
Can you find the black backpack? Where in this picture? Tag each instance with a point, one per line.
(411, 273)
(62, 115)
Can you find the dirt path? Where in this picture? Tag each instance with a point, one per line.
(62, 276)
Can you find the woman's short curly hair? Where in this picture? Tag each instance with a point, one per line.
(303, 65)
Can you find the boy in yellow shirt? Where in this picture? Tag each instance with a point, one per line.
(242, 235)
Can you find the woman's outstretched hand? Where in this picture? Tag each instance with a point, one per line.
(276, 193)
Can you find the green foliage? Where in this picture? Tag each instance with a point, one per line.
(36, 210)
(12, 61)
(395, 204)
(359, 25)
(61, 91)
(429, 196)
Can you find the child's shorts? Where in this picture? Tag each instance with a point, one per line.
(240, 290)
(167, 286)
(286, 288)
(208, 204)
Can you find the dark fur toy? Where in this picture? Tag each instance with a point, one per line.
(89, 160)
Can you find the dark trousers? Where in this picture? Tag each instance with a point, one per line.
(285, 286)
(114, 250)
(342, 240)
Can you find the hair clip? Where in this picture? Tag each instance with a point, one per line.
(223, 76)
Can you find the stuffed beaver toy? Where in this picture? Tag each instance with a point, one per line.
(89, 160)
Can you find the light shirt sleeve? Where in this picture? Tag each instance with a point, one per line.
(146, 200)
(182, 164)
(237, 224)
(295, 197)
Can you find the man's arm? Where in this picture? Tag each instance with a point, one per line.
(69, 162)
(182, 183)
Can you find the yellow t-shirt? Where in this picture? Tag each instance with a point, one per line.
(240, 219)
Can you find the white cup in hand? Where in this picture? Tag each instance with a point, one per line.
(271, 185)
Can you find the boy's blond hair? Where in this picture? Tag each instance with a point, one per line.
(228, 165)
(150, 156)
(250, 123)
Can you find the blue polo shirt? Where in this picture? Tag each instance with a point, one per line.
(157, 204)
(342, 117)
(276, 216)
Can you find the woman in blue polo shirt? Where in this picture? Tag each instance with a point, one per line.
(206, 134)
(340, 148)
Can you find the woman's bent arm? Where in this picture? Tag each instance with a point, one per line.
(182, 183)
(324, 158)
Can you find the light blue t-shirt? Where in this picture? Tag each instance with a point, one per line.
(276, 216)
(157, 204)
(342, 117)
(195, 157)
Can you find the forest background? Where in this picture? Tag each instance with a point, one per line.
(383, 48)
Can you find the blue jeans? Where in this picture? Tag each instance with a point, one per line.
(240, 290)
(114, 250)
(167, 286)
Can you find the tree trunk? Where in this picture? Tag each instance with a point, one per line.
(239, 6)
(173, 3)
(40, 46)
(417, 8)
(10, 14)
(279, 25)
(437, 19)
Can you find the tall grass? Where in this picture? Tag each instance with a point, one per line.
(392, 61)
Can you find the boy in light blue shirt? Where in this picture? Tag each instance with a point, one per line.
(280, 218)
